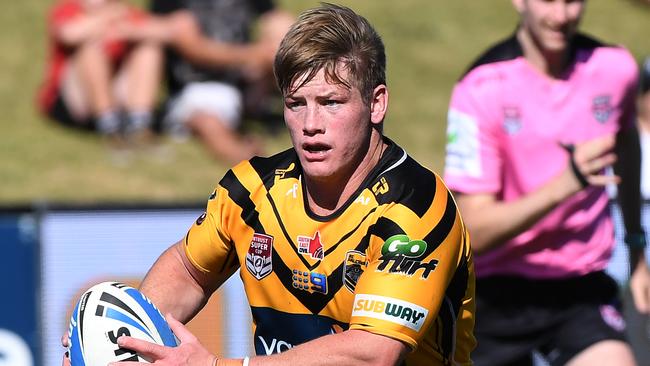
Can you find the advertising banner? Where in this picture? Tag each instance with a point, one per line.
(19, 335)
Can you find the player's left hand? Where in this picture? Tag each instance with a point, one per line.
(189, 352)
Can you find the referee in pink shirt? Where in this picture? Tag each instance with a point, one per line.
(533, 127)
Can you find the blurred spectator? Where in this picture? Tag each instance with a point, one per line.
(644, 127)
(216, 71)
(638, 325)
(533, 125)
(95, 79)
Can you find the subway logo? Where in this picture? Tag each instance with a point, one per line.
(390, 309)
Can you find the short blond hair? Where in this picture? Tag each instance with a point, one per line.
(325, 36)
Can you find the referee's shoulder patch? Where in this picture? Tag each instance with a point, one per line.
(463, 145)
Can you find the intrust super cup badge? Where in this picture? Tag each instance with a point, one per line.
(258, 258)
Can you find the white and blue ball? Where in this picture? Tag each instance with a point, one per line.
(107, 311)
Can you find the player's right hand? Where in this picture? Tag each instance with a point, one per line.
(190, 351)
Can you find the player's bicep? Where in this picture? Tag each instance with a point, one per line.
(207, 246)
(208, 281)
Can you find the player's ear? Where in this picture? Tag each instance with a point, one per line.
(378, 103)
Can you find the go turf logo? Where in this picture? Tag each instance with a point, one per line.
(401, 255)
(390, 309)
(402, 244)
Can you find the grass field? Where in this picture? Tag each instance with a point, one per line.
(429, 43)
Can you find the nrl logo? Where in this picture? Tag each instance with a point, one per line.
(602, 108)
(511, 120)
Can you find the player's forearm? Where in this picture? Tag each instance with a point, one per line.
(76, 32)
(352, 347)
(210, 53)
(493, 223)
(171, 288)
(91, 25)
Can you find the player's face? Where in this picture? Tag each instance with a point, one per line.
(551, 23)
(330, 127)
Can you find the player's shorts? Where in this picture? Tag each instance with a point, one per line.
(557, 318)
(220, 100)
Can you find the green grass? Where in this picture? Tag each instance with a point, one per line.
(429, 44)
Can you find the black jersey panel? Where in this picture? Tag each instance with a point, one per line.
(409, 185)
(444, 226)
(241, 196)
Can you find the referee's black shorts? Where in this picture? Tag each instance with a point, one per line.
(557, 318)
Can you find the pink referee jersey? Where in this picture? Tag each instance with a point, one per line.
(505, 125)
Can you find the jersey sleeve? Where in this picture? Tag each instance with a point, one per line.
(207, 244)
(412, 261)
(473, 162)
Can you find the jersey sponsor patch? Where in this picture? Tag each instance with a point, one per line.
(278, 331)
(390, 309)
(401, 255)
(309, 281)
(463, 146)
(281, 173)
(380, 187)
(310, 246)
(258, 258)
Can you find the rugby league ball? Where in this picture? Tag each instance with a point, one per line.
(107, 311)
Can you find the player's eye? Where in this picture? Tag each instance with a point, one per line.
(332, 102)
(293, 104)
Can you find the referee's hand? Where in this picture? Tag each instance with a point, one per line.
(587, 163)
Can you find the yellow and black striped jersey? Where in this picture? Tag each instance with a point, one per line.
(394, 260)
